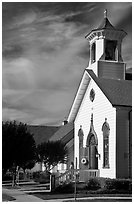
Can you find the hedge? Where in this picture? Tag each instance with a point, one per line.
(93, 184)
(118, 184)
(41, 177)
(98, 185)
(109, 185)
(65, 188)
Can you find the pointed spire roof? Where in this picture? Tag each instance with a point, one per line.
(105, 23)
(80, 132)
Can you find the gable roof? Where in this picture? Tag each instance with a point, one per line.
(118, 92)
(64, 133)
(42, 133)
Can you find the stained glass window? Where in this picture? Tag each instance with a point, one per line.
(106, 131)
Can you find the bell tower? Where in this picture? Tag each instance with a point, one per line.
(105, 50)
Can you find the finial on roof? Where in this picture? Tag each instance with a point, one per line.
(105, 13)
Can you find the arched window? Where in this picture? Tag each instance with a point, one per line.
(80, 135)
(93, 51)
(106, 132)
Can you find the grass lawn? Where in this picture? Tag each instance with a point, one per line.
(6, 197)
(100, 200)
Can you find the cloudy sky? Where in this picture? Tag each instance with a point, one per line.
(45, 53)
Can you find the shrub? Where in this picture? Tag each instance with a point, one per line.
(41, 177)
(36, 175)
(93, 184)
(7, 177)
(65, 188)
(118, 184)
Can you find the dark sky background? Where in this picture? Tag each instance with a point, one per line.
(45, 53)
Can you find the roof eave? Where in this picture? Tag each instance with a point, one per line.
(105, 29)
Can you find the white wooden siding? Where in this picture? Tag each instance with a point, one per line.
(94, 67)
(101, 109)
(99, 48)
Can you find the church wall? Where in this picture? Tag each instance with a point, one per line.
(70, 150)
(37, 167)
(101, 109)
(98, 54)
(123, 153)
(113, 70)
(99, 48)
(94, 67)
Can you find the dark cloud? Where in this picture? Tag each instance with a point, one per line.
(12, 51)
(45, 53)
(126, 22)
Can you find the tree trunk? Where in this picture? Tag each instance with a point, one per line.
(25, 176)
(14, 175)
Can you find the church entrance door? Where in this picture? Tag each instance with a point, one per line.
(93, 159)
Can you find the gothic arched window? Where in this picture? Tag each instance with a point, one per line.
(93, 52)
(106, 131)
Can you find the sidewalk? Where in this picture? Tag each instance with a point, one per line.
(100, 199)
(21, 196)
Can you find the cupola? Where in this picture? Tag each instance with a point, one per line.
(105, 50)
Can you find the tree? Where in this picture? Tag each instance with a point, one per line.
(51, 153)
(18, 146)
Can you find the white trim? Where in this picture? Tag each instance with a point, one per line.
(79, 97)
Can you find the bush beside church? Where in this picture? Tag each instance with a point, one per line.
(98, 185)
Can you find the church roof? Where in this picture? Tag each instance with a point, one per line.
(64, 133)
(105, 24)
(118, 92)
(42, 133)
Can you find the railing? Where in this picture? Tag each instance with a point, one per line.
(67, 177)
(80, 175)
(86, 174)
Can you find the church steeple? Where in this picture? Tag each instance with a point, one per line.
(105, 24)
(105, 50)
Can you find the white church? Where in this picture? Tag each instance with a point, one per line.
(98, 129)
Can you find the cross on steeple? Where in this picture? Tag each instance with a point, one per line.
(105, 13)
